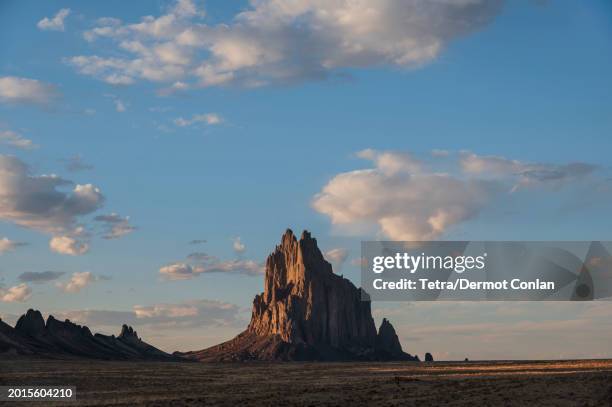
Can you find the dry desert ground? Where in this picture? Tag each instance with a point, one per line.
(546, 383)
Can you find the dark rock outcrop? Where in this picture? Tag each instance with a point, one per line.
(307, 312)
(60, 339)
(429, 357)
(387, 343)
(31, 323)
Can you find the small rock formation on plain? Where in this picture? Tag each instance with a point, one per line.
(32, 337)
(429, 357)
(307, 312)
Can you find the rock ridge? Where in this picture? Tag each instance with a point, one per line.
(306, 312)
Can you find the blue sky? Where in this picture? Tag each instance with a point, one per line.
(258, 127)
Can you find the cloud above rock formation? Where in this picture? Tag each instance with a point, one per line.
(406, 198)
(273, 42)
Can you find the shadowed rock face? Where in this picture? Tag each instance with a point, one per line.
(387, 342)
(56, 339)
(307, 312)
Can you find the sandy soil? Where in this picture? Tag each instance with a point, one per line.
(566, 383)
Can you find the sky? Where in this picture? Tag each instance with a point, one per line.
(152, 153)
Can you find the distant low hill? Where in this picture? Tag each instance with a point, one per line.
(32, 336)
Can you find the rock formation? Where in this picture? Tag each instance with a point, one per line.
(307, 312)
(31, 336)
(429, 357)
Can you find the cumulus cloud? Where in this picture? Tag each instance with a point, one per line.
(18, 293)
(16, 140)
(78, 281)
(238, 246)
(56, 23)
(210, 119)
(187, 271)
(46, 203)
(15, 90)
(40, 276)
(406, 199)
(52, 205)
(7, 245)
(115, 226)
(272, 42)
(336, 257)
(68, 245)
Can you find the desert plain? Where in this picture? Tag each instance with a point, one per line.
(500, 383)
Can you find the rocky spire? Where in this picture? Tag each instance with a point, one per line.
(127, 332)
(31, 323)
(307, 312)
(305, 302)
(387, 340)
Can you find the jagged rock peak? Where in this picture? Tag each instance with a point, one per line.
(31, 323)
(56, 326)
(387, 340)
(128, 332)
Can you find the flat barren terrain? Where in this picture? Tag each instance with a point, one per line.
(558, 383)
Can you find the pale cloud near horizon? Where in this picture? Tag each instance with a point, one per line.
(15, 90)
(18, 293)
(274, 43)
(56, 23)
(405, 198)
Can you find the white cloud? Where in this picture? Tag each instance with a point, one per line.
(14, 139)
(77, 282)
(55, 23)
(238, 246)
(18, 293)
(336, 257)
(26, 91)
(404, 206)
(180, 271)
(46, 203)
(210, 119)
(7, 245)
(406, 199)
(115, 225)
(274, 42)
(68, 245)
(186, 271)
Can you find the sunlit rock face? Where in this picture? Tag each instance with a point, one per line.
(307, 312)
